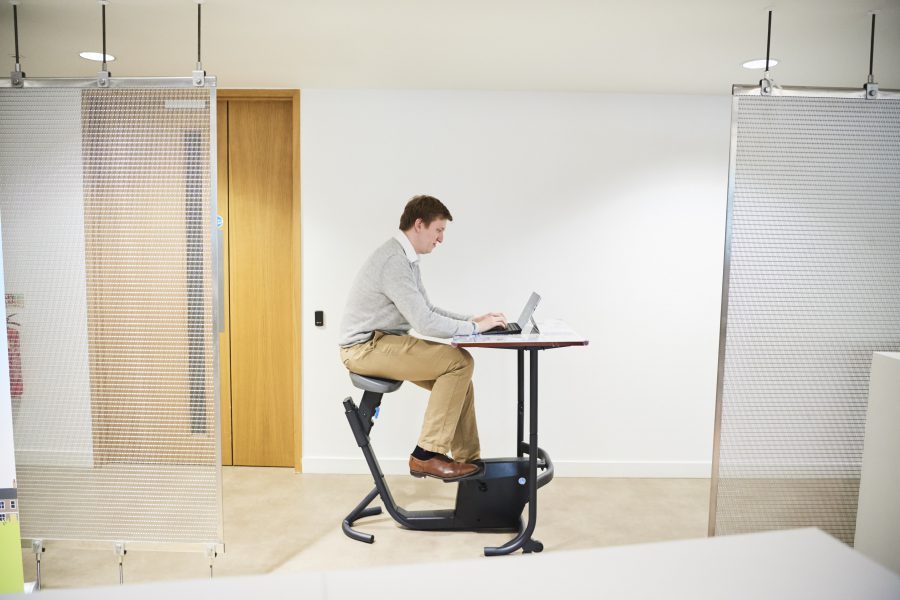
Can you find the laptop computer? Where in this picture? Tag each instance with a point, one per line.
(518, 326)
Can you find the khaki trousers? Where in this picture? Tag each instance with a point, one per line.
(449, 425)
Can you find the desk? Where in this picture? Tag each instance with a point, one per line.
(554, 334)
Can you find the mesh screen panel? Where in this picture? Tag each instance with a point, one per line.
(106, 211)
(813, 290)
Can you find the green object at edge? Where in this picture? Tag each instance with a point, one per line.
(12, 578)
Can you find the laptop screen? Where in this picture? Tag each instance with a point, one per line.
(528, 310)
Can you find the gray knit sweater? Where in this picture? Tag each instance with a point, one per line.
(388, 295)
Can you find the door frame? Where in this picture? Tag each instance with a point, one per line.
(293, 96)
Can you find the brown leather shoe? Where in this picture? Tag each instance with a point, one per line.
(441, 467)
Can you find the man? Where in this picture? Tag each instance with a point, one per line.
(386, 301)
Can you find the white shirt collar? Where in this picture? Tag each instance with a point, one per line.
(407, 246)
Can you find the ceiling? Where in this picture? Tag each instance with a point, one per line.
(640, 46)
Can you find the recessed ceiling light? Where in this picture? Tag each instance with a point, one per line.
(97, 56)
(759, 63)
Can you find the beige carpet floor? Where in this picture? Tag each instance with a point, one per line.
(277, 520)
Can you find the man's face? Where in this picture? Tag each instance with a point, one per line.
(426, 238)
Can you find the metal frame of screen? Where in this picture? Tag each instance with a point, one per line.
(739, 91)
(214, 242)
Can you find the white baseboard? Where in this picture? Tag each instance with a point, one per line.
(399, 466)
(636, 469)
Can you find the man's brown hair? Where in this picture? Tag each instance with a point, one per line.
(426, 208)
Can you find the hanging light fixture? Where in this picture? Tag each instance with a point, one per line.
(759, 63)
(97, 56)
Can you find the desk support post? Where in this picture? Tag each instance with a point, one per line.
(528, 544)
(520, 431)
(524, 541)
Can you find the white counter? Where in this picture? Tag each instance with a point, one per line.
(878, 516)
(801, 563)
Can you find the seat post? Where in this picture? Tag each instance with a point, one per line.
(361, 420)
(363, 417)
(360, 432)
(368, 408)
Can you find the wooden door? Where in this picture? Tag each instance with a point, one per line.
(263, 280)
(150, 350)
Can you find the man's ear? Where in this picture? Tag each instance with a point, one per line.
(419, 224)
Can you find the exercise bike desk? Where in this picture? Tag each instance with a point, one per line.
(553, 334)
(496, 497)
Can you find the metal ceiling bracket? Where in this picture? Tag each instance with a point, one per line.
(871, 91)
(103, 75)
(199, 77)
(16, 76)
(766, 84)
(871, 88)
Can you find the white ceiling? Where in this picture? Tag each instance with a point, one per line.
(648, 46)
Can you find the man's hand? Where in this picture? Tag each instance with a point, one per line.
(489, 321)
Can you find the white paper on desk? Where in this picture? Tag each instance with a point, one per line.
(554, 327)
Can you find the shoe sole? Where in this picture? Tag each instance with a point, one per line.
(423, 474)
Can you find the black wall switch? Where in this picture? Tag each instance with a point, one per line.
(320, 318)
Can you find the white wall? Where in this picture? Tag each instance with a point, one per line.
(612, 207)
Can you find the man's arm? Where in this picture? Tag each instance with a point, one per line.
(400, 286)
(452, 315)
(444, 312)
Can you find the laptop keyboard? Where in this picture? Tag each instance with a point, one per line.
(511, 328)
